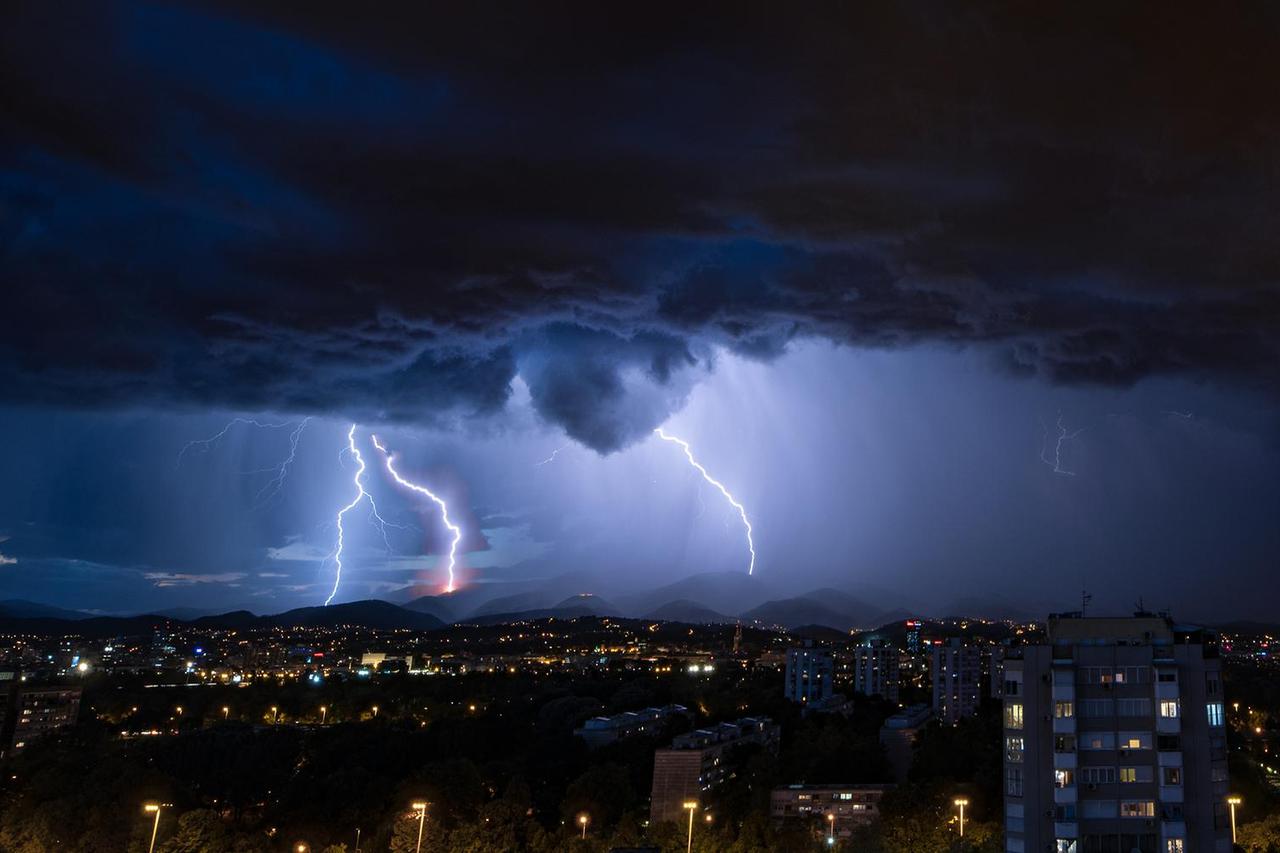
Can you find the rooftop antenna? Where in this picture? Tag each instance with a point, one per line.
(1085, 598)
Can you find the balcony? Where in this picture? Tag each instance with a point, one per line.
(1064, 725)
(1064, 795)
(1170, 793)
(1067, 760)
(1066, 829)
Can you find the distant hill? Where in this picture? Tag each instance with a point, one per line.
(593, 603)
(528, 615)
(722, 592)
(794, 612)
(439, 606)
(688, 611)
(369, 614)
(21, 609)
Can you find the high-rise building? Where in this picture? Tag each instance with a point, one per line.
(913, 636)
(810, 674)
(957, 681)
(876, 671)
(699, 760)
(1114, 739)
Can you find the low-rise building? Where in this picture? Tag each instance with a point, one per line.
(699, 760)
(599, 731)
(841, 808)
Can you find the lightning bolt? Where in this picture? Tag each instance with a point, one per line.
(361, 496)
(1064, 435)
(684, 445)
(272, 488)
(206, 444)
(552, 457)
(422, 490)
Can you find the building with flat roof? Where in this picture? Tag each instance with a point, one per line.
(38, 710)
(810, 675)
(957, 681)
(841, 808)
(876, 671)
(898, 736)
(599, 731)
(1115, 739)
(699, 760)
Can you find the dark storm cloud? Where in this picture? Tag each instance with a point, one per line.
(387, 216)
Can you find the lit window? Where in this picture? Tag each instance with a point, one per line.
(1013, 716)
(1137, 808)
(1172, 776)
(1169, 708)
(1174, 845)
(1063, 709)
(1128, 774)
(1066, 845)
(1063, 779)
(1215, 713)
(1013, 749)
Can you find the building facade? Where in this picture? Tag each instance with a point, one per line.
(699, 760)
(876, 670)
(957, 681)
(599, 731)
(810, 675)
(839, 808)
(1114, 739)
(35, 711)
(898, 737)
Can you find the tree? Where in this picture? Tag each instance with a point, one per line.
(1261, 836)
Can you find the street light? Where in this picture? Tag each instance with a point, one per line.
(301, 847)
(831, 829)
(324, 713)
(375, 710)
(155, 827)
(226, 712)
(275, 715)
(583, 820)
(1233, 802)
(692, 806)
(421, 808)
(961, 802)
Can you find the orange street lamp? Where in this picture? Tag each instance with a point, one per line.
(226, 712)
(324, 714)
(155, 827)
(961, 802)
(583, 820)
(421, 808)
(831, 829)
(1233, 802)
(692, 806)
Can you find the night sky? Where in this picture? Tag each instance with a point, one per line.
(865, 258)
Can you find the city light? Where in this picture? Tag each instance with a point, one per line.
(155, 826)
(692, 806)
(961, 802)
(421, 808)
(1233, 801)
(583, 820)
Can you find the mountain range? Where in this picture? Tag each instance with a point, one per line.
(709, 598)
